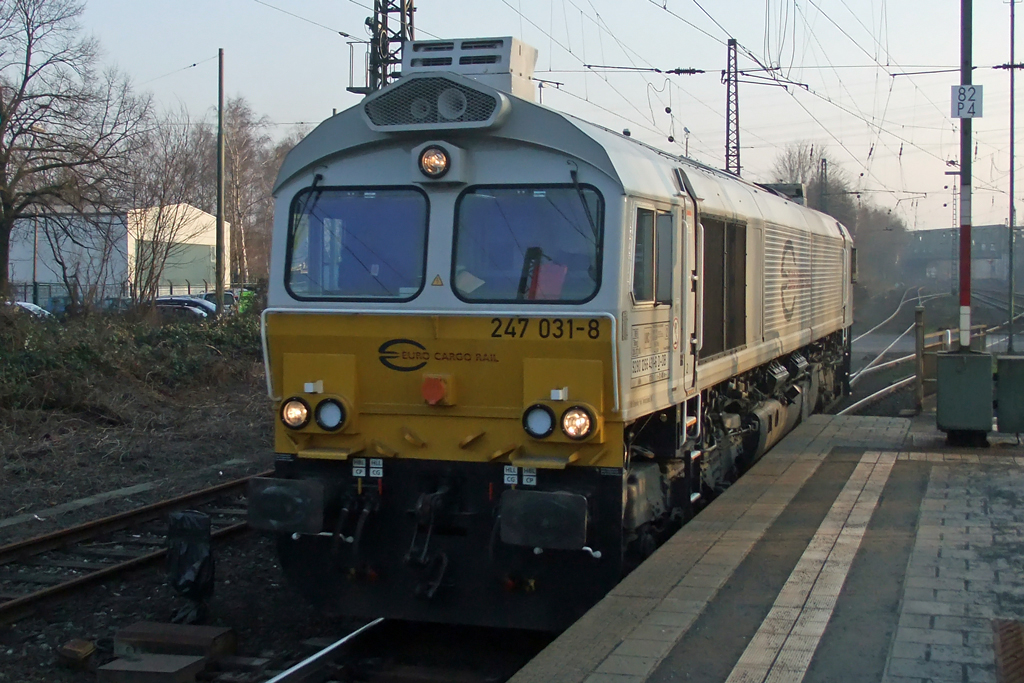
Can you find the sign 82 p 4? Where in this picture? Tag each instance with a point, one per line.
(966, 102)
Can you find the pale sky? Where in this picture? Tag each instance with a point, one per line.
(892, 133)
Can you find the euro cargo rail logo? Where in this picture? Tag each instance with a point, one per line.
(404, 355)
(790, 276)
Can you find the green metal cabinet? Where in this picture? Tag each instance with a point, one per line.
(964, 387)
(1010, 394)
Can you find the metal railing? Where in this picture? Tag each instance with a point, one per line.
(926, 350)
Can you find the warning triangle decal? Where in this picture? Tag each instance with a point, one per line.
(437, 281)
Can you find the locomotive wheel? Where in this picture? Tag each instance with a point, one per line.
(640, 548)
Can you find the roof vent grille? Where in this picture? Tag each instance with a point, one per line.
(432, 61)
(477, 59)
(431, 102)
(495, 44)
(433, 47)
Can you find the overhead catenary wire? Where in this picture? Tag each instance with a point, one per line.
(782, 80)
(305, 19)
(564, 47)
(184, 68)
(878, 127)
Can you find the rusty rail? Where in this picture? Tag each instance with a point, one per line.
(15, 608)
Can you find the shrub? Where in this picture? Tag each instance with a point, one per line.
(82, 364)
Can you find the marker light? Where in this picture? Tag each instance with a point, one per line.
(539, 421)
(577, 423)
(295, 413)
(330, 414)
(434, 162)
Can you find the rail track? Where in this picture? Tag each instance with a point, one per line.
(54, 564)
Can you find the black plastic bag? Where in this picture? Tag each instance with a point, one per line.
(190, 562)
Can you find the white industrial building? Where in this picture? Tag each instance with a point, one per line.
(102, 251)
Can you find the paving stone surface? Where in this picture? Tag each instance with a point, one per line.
(628, 633)
(967, 567)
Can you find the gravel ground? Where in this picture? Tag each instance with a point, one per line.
(179, 444)
(51, 459)
(251, 597)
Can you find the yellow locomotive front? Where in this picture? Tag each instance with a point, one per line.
(449, 446)
(511, 352)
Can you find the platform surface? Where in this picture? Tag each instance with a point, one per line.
(858, 549)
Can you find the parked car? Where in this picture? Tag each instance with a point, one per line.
(174, 309)
(229, 299)
(116, 304)
(37, 311)
(207, 307)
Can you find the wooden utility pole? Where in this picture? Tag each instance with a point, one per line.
(220, 184)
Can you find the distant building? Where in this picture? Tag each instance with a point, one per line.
(931, 256)
(101, 252)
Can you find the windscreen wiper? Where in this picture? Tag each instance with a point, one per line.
(574, 174)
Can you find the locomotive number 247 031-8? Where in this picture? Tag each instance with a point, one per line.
(546, 328)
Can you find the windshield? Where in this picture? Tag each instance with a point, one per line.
(528, 244)
(357, 244)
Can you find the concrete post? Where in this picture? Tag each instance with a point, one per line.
(919, 360)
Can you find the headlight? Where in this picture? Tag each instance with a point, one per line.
(295, 413)
(539, 421)
(330, 414)
(577, 423)
(434, 162)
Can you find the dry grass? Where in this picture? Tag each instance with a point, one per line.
(92, 404)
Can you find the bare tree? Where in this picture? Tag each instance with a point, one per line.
(828, 186)
(166, 183)
(65, 129)
(878, 234)
(263, 218)
(89, 251)
(247, 149)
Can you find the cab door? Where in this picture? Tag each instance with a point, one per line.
(672, 226)
(686, 309)
(654, 303)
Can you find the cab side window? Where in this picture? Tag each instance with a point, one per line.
(652, 257)
(643, 257)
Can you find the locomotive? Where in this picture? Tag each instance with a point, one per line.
(512, 351)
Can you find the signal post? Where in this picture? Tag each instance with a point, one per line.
(964, 377)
